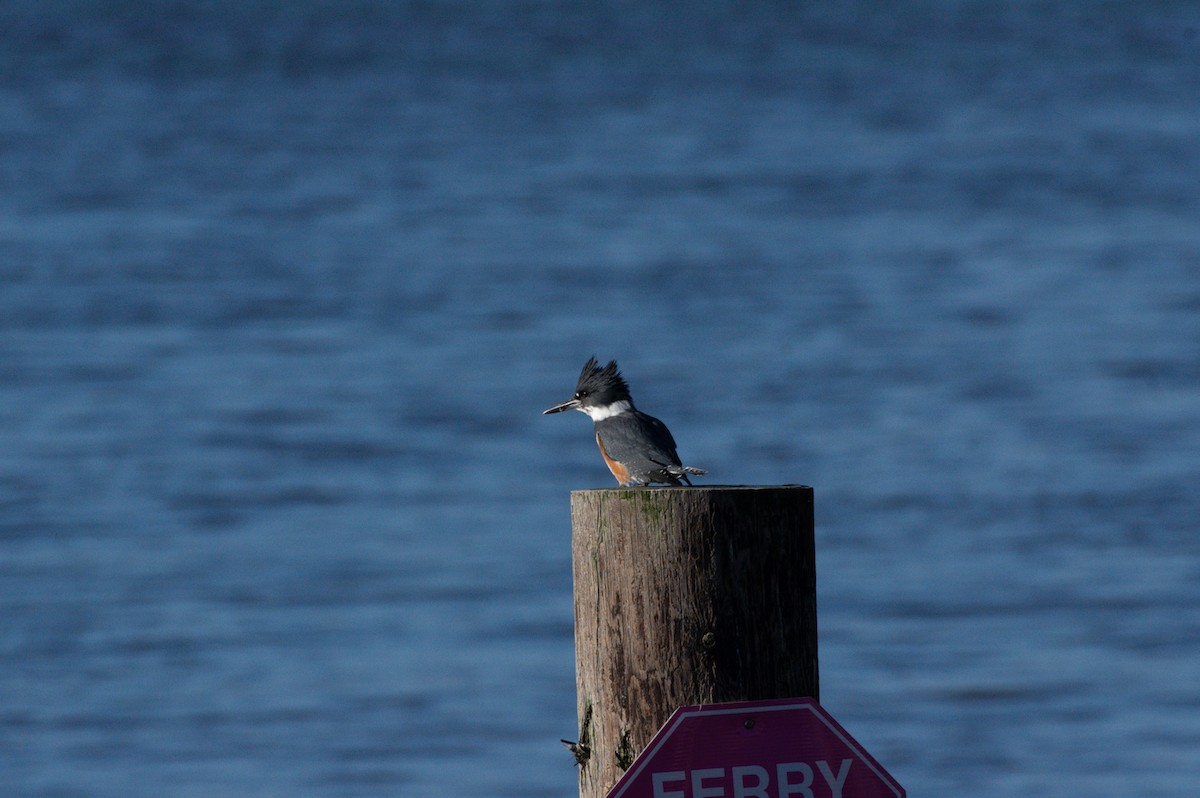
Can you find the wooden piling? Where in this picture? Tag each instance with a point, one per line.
(686, 596)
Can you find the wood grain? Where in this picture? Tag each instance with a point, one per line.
(686, 596)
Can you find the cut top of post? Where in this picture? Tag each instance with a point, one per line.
(690, 488)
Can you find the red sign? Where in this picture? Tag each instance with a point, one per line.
(789, 748)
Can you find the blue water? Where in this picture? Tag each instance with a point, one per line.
(285, 287)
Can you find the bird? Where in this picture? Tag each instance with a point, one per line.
(637, 448)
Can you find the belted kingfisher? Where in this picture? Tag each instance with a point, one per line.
(637, 448)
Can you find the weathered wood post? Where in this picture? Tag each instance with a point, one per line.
(686, 596)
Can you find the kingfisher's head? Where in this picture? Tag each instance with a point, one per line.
(601, 392)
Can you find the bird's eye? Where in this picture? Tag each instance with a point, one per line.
(581, 394)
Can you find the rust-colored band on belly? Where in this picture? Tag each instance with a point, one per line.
(619, 471)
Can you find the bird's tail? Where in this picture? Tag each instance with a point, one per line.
(681, 470)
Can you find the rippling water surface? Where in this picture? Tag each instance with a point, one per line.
(284, 288)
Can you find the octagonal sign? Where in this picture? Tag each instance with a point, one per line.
(788, 748)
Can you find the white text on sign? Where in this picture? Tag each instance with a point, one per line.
(792, 780)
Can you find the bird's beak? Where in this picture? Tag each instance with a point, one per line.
(570, 404)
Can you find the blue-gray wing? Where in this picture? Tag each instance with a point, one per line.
(641, 443)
